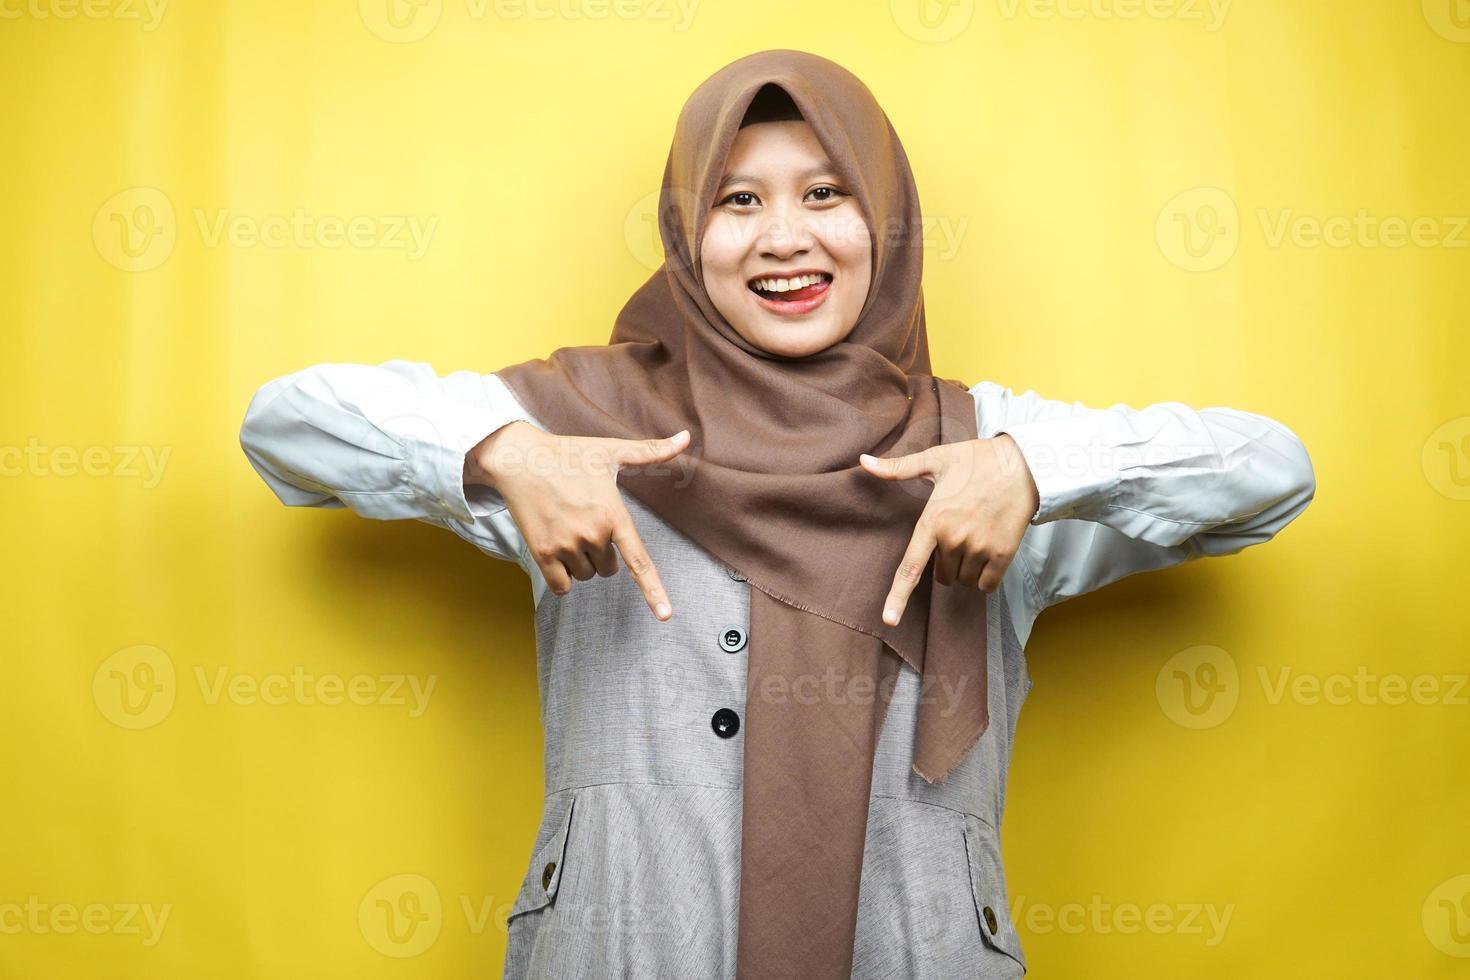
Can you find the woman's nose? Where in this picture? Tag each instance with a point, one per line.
(783, 233)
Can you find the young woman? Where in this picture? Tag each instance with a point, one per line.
(769, 746)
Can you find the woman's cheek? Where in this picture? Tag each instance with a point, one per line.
(845, 235)
(725, 242)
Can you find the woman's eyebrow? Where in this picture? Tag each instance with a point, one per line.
(822, 170)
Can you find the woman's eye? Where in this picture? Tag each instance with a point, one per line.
(740, 203)
(832, 193)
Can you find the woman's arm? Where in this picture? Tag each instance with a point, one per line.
(1126, 490)
(388, 442)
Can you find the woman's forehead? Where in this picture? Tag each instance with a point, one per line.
(787, 149)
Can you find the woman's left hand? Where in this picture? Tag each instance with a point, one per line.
(984, 497)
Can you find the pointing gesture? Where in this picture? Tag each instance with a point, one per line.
(562, 492)
(983, 500)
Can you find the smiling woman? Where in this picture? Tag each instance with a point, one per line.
(855, 551)
(787, 254)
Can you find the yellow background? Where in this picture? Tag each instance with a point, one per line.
(1105, 183)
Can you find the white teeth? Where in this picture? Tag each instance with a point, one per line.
(786, 285)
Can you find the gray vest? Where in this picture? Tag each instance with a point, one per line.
(635, 868)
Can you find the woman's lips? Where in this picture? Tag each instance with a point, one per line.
(797, 301)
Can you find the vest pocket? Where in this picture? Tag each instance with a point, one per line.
(987, 883)
(543, 878)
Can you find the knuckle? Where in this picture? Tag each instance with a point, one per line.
(950, 538)
(604, 520)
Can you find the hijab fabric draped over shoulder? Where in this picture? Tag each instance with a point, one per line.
(771, 486)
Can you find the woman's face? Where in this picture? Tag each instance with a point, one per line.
(787, 255)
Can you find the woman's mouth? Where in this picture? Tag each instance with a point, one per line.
(791, 295)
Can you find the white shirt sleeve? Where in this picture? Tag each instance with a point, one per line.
(1125, 490)
(386, 441)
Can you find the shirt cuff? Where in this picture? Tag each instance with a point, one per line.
(1072, 463)
(474, 406)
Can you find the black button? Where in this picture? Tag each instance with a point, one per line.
(725, 723)
(548, 871)
(990, 922)
(732, 639)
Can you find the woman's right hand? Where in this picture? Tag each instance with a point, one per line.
(563, 493)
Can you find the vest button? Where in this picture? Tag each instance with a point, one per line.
(725, 723)
(546, 874)
(732, 639)
(734, 574)
(990, 922)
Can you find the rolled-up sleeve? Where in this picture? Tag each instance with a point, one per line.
(1126, 489)
(387, 441)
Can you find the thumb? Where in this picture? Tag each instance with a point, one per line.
(922, 463)
(639, 452)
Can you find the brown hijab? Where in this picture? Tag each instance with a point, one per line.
(771, 486)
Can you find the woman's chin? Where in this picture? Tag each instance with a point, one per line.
(793, 341)
(792, 338)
